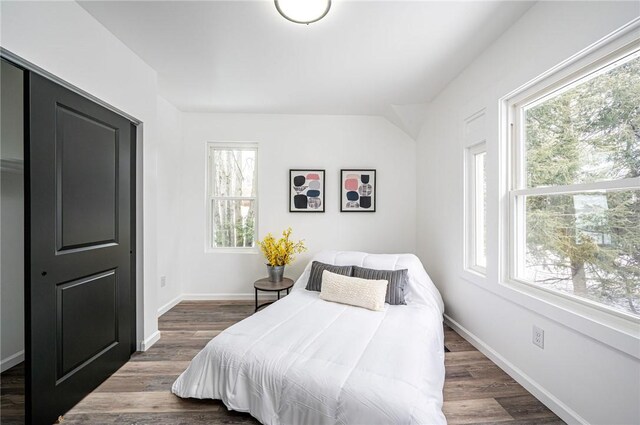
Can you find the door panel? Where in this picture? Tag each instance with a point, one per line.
(87, 312)
(86, 174)
(79, 297)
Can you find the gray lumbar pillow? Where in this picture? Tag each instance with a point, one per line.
(315, 277)
(397, 282)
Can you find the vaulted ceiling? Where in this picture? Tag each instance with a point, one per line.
(363, 58)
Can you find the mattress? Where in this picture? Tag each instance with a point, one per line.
(304, 360)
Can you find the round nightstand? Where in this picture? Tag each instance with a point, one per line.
(266, 285)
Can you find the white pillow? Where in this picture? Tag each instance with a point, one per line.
(353, 291)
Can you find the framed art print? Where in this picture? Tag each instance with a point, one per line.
(306, 190)
(358, 190)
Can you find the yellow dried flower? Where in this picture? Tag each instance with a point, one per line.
(281, 252)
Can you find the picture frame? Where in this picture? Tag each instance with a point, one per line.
(358, 190)
(306, 190)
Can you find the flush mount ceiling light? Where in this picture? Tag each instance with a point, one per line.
(303, 11)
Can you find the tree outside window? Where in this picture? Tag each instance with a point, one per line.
(232, 195)
(577, 200)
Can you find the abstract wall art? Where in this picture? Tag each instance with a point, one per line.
(358, 190)
(306, 190)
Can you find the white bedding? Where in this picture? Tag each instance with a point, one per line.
(303, 360)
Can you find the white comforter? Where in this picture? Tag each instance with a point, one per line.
(303, 360)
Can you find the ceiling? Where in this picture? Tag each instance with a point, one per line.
(363, 58)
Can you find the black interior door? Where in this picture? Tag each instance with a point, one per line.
(79, 306)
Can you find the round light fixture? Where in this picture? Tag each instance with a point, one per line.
(303, 11)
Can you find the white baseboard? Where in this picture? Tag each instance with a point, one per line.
(565, 413)
(148, 343)
(227, 297)
(11, 361)
(168, 306)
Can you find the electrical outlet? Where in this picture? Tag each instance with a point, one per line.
(538, 336)
(163, 281)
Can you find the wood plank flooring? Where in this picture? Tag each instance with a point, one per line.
(476, 391)
(12, 396)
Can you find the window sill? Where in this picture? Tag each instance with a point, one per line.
(232, 251)
(474, 276)
(573, 302)
(609, 329)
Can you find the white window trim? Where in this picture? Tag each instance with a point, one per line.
(471, 219)
(612, 330)
(210, 197)
(514, 160)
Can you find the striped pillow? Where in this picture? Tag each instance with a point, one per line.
(397, 281)
(315, 277)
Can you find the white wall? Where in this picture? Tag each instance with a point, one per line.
(62, 38)
(579, 375)
(297, 141)
(169, 174)
(12, 218)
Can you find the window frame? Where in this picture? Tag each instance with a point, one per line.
(210, 196)
(471, 216)
(514, 184)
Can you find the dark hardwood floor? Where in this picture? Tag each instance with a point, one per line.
(476, 391)
(12, 396)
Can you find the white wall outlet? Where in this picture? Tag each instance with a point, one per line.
(538, 336)
(163, 281)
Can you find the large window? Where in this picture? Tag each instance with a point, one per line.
(232, 195)
(574, 198)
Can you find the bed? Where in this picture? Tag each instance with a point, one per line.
(304, 360)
